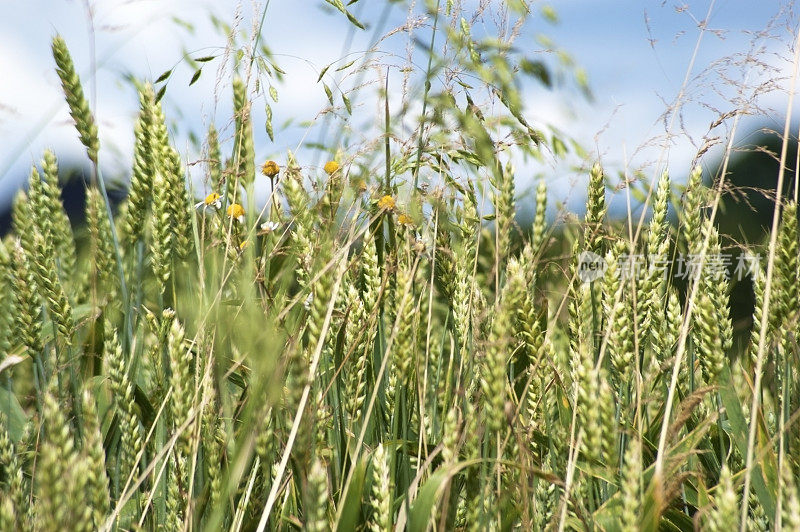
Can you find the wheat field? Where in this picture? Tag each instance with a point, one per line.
(362, 352)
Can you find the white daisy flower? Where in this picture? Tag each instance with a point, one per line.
(212, 200)
(270, 226)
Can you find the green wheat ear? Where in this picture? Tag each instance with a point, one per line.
(631, 486)
(140, 191)
(618, 313)
(123, 400)
(790, 509)
(102, 250)
(95, 457)
(13, 495)
(175, 207)
(7, 310)
(381, 491)
(712, 330)
(213, 438)
(654, 285)
(27, 324)
(244, 152)
(539, 222)
(8, 517)
(404, 346)
(692, 211)
(78, 106)
(55, 299)
(181, 382)
(595, 210)
(356, 348)
(214, 159)
(787, 268)
(505, 210)
(60, 476)
(725, 514)
(316, 498)
(493, 380)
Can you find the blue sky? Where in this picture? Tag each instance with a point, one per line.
(636, 55)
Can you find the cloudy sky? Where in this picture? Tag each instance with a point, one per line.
(640, 57)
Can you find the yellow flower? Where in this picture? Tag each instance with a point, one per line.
(330, 167)
(212, 200)
(236, 211)
(270, 169)
(406, 220)
(386, 203)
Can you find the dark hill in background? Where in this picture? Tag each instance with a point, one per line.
(74, 180)
(749, 201)
(746, 210)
